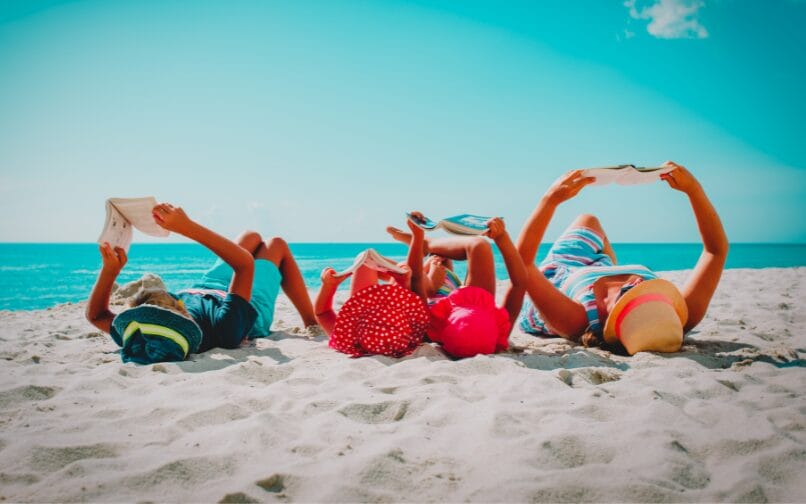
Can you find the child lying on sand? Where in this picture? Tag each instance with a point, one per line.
(377, 319)
(464, 316)
(234, 299)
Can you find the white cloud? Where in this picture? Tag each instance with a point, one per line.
(255, 206)
(670, 18)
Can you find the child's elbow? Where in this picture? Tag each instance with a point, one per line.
(245, 263)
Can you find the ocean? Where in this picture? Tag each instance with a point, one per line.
(36, 275)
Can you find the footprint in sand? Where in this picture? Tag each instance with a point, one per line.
(597, 376)
(274, 483)
(49, 459)
(568, 452)
(238, 498)
(384, 412)
(28, 393)
(182, 473)
(428, 380)
(259, 374)
(686, 469)
(18, 479)
(594, 376)
(215, 416)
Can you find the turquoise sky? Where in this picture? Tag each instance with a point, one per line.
(327, 120)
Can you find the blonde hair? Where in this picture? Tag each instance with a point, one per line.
(157, 297)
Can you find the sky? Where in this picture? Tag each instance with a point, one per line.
(325, 121)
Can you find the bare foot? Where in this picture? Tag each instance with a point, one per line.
(399, 235)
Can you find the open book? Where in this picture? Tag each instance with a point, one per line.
(464, 224)
(372, 259)
(626, 174)
(124, 213)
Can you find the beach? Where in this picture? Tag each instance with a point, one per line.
(288, 419)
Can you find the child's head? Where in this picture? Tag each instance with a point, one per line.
(155, 328)
(158, 297)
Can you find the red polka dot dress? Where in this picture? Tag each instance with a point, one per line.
(381, 320)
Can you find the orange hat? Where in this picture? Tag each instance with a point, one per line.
(649, 318)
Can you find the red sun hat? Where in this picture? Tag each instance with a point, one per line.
(467, 322)
(382, 319)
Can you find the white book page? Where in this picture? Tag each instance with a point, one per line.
(122, 214)
(117, 230)
(138, 212)
(372, 259)
(626, 175)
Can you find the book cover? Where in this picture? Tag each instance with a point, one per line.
(463, 224)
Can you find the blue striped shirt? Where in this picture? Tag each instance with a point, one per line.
(574, 263)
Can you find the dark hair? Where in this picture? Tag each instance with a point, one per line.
(591, 339)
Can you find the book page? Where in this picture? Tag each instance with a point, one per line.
(372, 259)
(123, 214)
(117, 230)
(626, 174)
(138, 212)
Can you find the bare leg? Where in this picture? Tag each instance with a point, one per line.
(405, 237)
(363, 277)
(476, 251)
(250, 240)
(591, 222)
(277, 251)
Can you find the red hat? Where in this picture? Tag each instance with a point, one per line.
(467, 322)
(382, 319)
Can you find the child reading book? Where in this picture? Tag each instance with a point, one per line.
(464, 315)
(378, 318)
(234, 299)
(581, 293)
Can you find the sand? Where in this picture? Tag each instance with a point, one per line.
(287, 419)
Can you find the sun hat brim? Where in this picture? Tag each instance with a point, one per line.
(648, 289)
(149, 333)
(383, 319)
(467, 322)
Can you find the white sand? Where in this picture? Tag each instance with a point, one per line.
(288, 419)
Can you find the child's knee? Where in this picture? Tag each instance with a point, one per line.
(589, 221)
(479, 247)
(249, 240)
(276, 243)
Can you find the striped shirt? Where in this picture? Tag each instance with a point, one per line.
(574, 263)
(450, 284)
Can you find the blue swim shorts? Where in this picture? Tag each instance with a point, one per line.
(265, 288)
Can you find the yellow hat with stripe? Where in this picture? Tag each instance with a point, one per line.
(149, 333)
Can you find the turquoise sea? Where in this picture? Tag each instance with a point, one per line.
(36, 275)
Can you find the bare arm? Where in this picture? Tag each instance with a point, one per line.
(704, 279)
(513, 298)
(323, 306)
(243, 264)
(415, 259)
(564, 315)
(98, 312)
